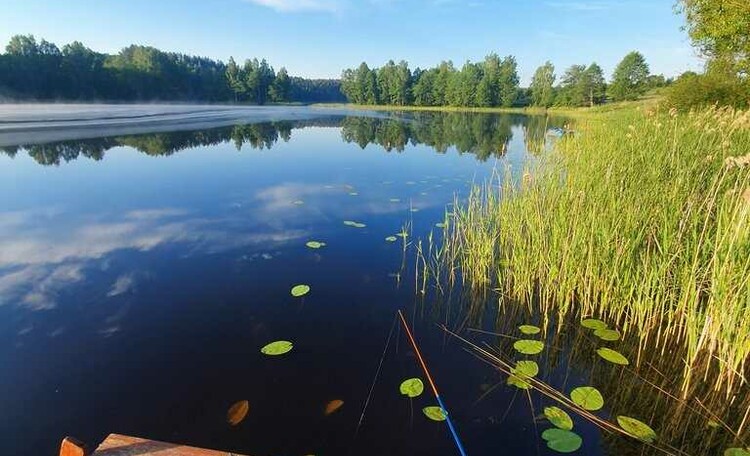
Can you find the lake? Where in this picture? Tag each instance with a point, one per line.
(141, 274)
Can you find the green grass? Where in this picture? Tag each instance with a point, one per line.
(641, 218)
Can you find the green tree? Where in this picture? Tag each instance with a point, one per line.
(630, 78)
(595, 88)
(719, 28)
(508, 81)
(542, 85)
(235, 79)
(279, 91)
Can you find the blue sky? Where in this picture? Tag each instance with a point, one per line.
(318, 38)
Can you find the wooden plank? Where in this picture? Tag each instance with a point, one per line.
(123, 445)
(71, 447)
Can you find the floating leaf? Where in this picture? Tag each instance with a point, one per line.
(237, 412)
(315, 244)
(587, 397)
(434, 413)
(613, 356)
(559, 418)
(736, 452)
(518, 382)
(528, 347)
(607, 334)
(440, 225)
(300, 290)
(412, 387)
(332, 406)
(526, 368)
(561, 440)
(529, 329)
(391, 239)
(637, 429)
(277, 348)
(394, 200)
(593, 323)
(354, 224)
(353, 193)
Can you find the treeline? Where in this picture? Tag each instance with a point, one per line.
(40, 70)
(495, 83)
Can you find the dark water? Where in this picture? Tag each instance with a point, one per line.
(141, 275)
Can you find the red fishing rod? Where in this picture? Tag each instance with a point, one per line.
(452, 429)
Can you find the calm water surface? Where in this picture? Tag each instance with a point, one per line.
(141, 275)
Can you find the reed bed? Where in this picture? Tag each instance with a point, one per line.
(641, 218)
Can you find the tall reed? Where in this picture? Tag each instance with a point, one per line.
(641, 218)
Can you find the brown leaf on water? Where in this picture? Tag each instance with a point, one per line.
(332, 406)
(237, 412)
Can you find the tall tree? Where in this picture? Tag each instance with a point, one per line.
(630, 78)
(719, 28)
(542, 85)
(508, 82)
(279, 91)
(594, 85)
(235, 78)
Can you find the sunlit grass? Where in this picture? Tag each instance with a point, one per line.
(641, 218)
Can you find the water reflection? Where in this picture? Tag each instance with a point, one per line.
(161, 279)
(484, 136)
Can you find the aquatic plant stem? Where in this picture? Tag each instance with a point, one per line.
(448, 420)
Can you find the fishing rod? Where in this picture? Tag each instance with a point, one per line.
(432, 385)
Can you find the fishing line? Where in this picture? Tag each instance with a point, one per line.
(374, 381)
(452, 429)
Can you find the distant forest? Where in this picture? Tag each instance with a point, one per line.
(494, 82)
(40, 70)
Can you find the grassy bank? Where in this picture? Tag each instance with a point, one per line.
(641, 218)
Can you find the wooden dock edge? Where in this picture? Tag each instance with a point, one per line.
(123, 445)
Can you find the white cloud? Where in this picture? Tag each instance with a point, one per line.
(286, 6)
(123, 284)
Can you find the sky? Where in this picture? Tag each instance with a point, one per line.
(319, 38)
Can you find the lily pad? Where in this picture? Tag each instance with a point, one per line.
(412, 387)
(277, 348)
(237, 412)
(613, 356)
(587, 397)
(593, 323)
(529, 329)
(736, 452)
(528, 347)
(561, 440)
(526, 368)
(300, 290)
(391, 239)
(315, 244)
(607, 334)
(637, 429)
(559, 418)
(518, 382)
(435, 413)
